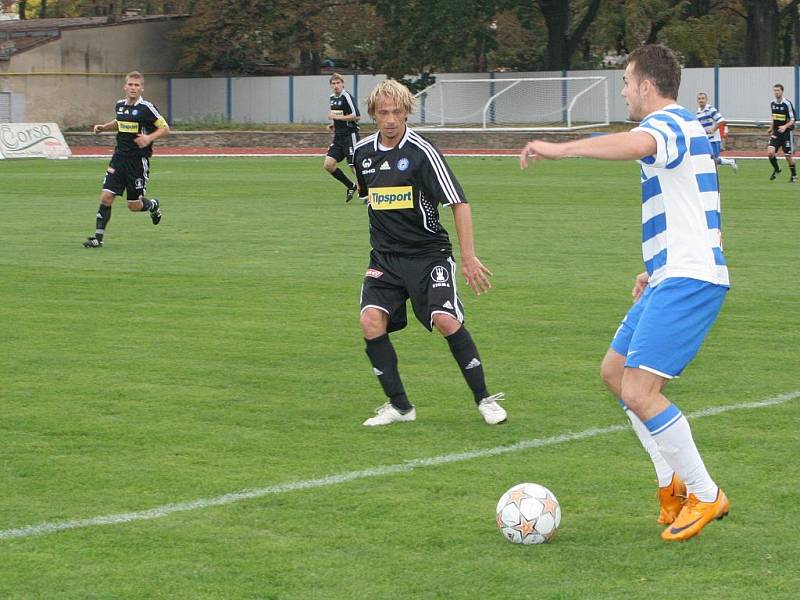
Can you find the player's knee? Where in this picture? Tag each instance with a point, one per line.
(373, 323)
(445, 324)
(135, 206)
(329, 165)
(611, 376)
(632, 397)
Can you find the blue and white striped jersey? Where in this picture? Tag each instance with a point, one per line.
(680, 201)
(708, 116)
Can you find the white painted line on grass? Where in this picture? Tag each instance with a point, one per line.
(405, 467)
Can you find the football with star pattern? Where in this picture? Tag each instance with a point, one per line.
(528, 513)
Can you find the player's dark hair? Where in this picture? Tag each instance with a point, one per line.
(658, 64)
(779, 85)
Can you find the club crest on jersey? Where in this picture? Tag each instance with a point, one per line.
(440, 276)
(403, 164)
(135, 111)
(374, 273)
(391, 198)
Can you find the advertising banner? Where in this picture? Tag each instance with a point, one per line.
(32, 140)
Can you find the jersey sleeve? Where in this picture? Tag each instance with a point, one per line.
(352, 104)
(157, 120)
(362, 185)
(670, 141)
(438, 182)
(792, 113)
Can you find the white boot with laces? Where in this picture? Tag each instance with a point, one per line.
(491, 411)
(388, 414)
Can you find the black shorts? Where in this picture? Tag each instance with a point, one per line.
(342, 147)
(783, 140)
(429, 281)
(127, 173)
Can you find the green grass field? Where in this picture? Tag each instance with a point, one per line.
(220, 352)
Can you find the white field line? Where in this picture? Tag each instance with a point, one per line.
(405, 467)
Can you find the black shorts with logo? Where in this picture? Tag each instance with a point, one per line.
(127, 173)
(429, 281)
(342, 147)
(783, 140)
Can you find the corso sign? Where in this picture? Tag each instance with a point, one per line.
(30, 140)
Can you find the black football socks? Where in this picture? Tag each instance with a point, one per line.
(339, 174)
(383, 357)
(103, 217)
(466, 355)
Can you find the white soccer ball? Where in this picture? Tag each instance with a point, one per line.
(528, 513)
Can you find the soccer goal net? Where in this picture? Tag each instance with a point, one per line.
(543, 104)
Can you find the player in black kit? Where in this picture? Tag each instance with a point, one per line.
(404, 178)
(343, 116)
(780, 132)
(138, 124)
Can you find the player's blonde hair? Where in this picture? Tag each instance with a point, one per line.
(135, 75)
(336, 77)
(395, 90)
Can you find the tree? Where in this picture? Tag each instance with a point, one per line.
(562, 38)
(230, 36)
(420, 36)
(767, 22)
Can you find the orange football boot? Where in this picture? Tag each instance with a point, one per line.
(671, 499)
(694, 516)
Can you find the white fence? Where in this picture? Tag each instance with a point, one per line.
(740, 93)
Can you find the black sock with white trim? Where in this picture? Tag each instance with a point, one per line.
(103, 217)
(383, 357)
(466, 354)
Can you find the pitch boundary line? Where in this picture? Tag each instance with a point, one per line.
(405, 467)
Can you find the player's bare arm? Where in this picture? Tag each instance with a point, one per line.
(143, 140)
(642, 279)
(99, 128)
(476, 275)
(630, 145)
(335, 116)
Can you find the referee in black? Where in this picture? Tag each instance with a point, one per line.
(343, 116)
(404, 178)
(138, 124)
(780, 132)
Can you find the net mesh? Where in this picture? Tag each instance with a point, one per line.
(543, 103)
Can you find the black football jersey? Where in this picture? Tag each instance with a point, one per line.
(343, 104)
(404, 187)
(142, 117)
(782, 113)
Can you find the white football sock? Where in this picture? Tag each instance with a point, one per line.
(671, 432)
(727, 161)
(663, 471)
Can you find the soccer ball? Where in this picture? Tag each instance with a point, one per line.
(528, 513)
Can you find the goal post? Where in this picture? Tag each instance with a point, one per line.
(513, 104)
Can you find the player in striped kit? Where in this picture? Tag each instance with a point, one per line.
(678, 297)
(713, 121)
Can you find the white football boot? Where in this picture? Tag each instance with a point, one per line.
(388, 414)
(491, 411)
